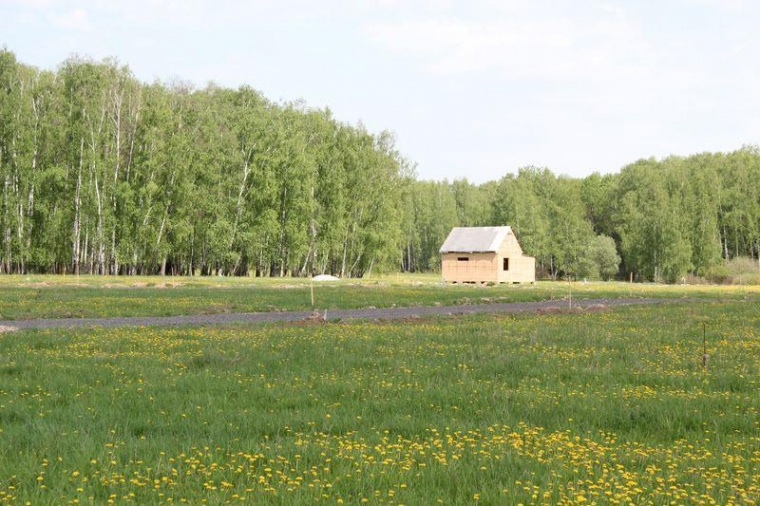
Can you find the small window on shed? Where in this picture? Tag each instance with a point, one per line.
(506, 264)
(463, 259)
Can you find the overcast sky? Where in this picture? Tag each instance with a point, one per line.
(470, 88)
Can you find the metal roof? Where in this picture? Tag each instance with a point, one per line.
(475, 239)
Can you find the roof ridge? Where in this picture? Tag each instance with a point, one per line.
(475, 239)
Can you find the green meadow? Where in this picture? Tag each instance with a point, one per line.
(25, 297)
(606, 406)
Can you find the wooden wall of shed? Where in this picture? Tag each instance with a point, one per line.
(522, 269)
(479, 268)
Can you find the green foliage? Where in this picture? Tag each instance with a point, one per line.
(665, 219)
(549, 218)
(103, 174)
(690, 214)
(653, 229)
(517, 204)
(434, 211)
(604, 257)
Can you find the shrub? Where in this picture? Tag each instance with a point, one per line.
(742, 270)
(718, 274)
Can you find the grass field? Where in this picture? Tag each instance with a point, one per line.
(24, 297)
(606, 407)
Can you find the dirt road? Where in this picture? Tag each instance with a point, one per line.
(325, 315)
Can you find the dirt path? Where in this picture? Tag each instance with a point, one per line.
(321, 315)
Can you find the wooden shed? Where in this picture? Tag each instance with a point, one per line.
(485, 254)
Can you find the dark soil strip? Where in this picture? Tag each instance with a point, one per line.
(328, 315)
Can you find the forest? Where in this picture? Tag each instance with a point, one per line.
(103, 174)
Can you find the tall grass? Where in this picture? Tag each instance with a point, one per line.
(609, 406)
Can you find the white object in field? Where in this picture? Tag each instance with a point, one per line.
(325, 277)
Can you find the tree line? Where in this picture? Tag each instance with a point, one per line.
(656, 219)
(103, 174)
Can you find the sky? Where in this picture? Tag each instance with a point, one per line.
(471, 89)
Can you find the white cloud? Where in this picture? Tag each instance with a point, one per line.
(532, 47)
(420, 37)
(730, 5)
(166, 12)
(220, 14)
(76, 19)
(33, 4)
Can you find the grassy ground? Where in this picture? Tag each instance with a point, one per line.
(95, 296)
(610, 407)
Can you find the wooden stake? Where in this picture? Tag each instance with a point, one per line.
(312, 293)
